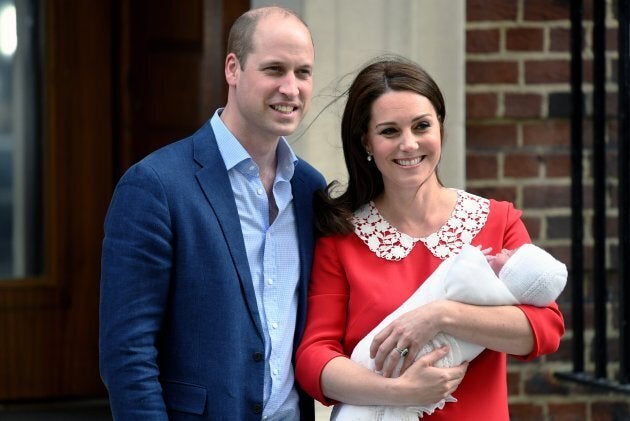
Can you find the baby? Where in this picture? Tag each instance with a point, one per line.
(527, 275)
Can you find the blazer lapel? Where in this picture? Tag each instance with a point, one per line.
(215, 183)
(303, 208)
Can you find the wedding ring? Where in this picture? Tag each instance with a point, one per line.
(403, 352)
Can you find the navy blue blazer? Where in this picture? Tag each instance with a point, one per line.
(180, 334)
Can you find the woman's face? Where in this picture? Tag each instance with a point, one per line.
(404, 137)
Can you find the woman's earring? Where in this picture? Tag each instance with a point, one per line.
(369, 157)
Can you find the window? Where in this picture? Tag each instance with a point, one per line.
(20, 141)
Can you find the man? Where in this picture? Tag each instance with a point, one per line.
(208, 247)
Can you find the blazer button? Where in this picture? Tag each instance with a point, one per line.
(257, 408)
(258, 356)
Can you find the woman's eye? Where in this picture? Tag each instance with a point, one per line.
(387, 132)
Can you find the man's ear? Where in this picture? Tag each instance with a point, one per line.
(232, 69)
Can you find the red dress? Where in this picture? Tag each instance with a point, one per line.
(359, 278)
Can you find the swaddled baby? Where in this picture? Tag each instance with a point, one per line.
(527, 275)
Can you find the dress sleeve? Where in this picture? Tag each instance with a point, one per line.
(548, 326)
(547, 322)
(326, 319)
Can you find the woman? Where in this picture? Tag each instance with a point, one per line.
(383, 237)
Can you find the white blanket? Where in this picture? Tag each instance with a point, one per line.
(466, 277)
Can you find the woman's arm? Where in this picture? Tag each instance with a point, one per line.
(345, 381)
(500, 328)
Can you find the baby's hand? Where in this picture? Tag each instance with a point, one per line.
(486, 252)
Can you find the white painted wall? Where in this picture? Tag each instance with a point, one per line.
(348, 33)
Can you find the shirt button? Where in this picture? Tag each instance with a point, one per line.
(257, 408)
(274, 325)
(275, 371)
(269, 281)
(258, 356)
(259, 191)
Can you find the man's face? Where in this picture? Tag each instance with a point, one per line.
(273, 89)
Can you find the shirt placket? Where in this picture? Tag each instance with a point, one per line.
(270, 300)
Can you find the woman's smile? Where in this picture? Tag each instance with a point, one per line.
(409, 162)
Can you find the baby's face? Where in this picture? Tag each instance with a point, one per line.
(498, 260)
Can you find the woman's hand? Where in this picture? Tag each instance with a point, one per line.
(427, 384)
(422, 384)
(410, 331)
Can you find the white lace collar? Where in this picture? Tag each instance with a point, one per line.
(468, 217)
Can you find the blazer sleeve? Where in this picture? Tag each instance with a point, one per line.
(135, 274)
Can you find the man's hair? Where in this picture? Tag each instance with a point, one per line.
(241, 37)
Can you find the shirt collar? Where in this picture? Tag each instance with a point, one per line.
(235, 156)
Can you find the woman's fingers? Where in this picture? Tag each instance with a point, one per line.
(436, 355)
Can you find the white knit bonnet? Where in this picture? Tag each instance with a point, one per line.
(534, 276)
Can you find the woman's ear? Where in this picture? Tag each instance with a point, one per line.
(365, 145)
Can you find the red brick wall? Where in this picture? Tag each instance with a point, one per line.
(518, 140)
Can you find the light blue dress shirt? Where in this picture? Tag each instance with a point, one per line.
(272, 252)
